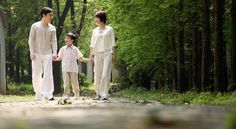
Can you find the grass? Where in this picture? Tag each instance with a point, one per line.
(14, 98)
(169, 97)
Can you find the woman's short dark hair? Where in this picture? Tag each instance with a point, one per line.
(45, 11)
(102, 16)
(71, 35)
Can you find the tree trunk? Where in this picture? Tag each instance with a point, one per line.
(195, 55)
(63, 17)
(83, 14)
(56, 65)
(50, 3)
(17, 76)
(180, 61)
(233, 64)
(220, 73)
(180, 56)
(10, 51)
(73, 15)
(174, 67)
(206, 53)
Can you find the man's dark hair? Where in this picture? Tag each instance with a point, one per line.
(71, 35)
(45, 11)
(102, 16)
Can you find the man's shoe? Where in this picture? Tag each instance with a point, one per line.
(52, 99)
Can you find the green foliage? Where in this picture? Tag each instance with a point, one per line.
(20, 89)
(84, 81)
(169, 97)
(231, 120)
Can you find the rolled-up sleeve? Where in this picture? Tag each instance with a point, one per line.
(79, 54)
(32, 40)
(112, 37)
(54, 41)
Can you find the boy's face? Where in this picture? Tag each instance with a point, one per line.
(68, 40)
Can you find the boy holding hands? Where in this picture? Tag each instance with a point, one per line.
(69, 55)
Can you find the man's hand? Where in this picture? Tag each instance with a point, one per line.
(33, 57)
(54, 57)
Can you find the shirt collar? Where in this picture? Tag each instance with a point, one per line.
(72, 46)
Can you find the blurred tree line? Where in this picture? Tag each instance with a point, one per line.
(177, 44)
(69, 15)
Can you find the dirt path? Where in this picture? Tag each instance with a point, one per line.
(117, 113)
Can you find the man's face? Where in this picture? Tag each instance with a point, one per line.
(48, 18)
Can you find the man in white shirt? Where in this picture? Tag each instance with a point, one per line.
(69, 54)
(43, 49)
(102, 52)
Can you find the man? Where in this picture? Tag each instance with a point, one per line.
(43, 50)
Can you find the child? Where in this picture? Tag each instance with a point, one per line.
(69, 55)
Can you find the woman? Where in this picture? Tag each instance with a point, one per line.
(102, 53)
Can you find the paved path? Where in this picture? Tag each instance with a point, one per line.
(117, 113)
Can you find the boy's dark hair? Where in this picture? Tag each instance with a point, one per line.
(45, 11)
(102, 16)
(71, 35)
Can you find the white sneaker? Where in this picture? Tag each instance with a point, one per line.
(37, 97)
(65, 97)
(76, 97)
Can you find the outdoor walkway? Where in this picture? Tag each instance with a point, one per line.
(117, 113)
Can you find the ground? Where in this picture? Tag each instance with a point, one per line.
(118, 113)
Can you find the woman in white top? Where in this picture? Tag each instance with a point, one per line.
(102, 52)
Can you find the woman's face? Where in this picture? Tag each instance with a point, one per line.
(97, 20)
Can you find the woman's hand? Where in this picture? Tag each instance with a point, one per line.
(91, 58)
(33, 57)
(113, 57)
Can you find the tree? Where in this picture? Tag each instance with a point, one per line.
(196, 58)
(220, 73)
(233, 65)
(180, 54)
(206, 42)
(56, 65)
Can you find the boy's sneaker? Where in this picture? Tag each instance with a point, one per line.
(76, 97)
(65, 97)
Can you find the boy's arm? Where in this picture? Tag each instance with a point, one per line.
(59, 56)
(83, 59)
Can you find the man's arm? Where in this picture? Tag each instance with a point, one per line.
(31, 43)
(54, 44)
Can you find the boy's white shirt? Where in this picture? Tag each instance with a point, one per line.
(69, 56)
